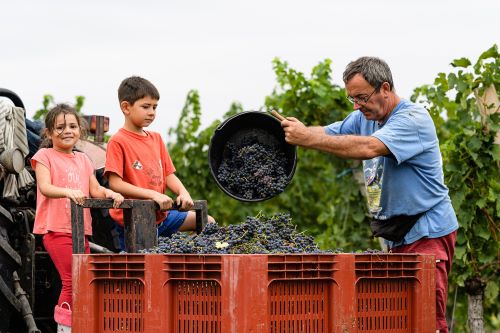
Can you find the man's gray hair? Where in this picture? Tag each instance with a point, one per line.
(374, 70)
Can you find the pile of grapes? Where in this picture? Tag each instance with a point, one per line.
(261, 234)
(253, 171)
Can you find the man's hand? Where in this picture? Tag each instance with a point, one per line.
(296, 133)
(184, 201)
(164, 201)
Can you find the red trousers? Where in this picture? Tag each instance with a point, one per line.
(60, 248)
(443, 249)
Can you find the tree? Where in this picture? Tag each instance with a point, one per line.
(467, 130)
(325, 197)
(48, 102)
(329, 205)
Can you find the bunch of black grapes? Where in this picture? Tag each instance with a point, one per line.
(253, 170)
(264, 235)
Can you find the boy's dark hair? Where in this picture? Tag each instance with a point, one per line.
(135, 87)
(50, 123)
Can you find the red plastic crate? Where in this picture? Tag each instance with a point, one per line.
(253, 293)
(395, 293)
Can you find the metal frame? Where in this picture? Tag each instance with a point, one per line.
(139, 221)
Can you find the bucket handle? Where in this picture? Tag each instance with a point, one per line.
(277, 115)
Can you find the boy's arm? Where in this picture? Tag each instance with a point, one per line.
(183, 199)
(117, 184)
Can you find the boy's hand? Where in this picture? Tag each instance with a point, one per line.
(76, 196)
(184, 201)
(164, 201)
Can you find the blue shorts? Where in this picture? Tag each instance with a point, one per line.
(172, 223)
(169, 226)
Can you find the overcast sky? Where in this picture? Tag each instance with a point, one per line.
(224, 48)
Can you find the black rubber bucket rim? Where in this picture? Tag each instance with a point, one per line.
(210, 155)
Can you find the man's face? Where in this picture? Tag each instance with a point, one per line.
(370, 101)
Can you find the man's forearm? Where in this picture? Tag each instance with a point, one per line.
(346, 146)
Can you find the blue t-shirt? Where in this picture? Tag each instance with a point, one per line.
(409, 180)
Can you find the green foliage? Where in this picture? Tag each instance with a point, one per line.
(188, 147)
(79, 101)
(49, 102)
(189, 122)
(471, 166)
(323, 197)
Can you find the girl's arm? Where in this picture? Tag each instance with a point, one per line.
(44, 183)
(98, 191)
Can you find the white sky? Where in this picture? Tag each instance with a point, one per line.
(224, 48)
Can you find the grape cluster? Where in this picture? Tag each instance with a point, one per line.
(253, 170)
(261, 234)
(371, 251)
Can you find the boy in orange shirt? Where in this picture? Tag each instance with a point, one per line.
(138, 164)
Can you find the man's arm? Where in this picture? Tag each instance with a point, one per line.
(345, 146)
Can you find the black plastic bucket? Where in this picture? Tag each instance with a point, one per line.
(248, 126)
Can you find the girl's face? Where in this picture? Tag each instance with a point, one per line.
(66, 133)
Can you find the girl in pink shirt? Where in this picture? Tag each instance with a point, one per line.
(63, 174)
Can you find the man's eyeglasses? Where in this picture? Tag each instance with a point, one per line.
(361, 100)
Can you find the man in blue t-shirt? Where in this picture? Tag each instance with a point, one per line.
(402, 165)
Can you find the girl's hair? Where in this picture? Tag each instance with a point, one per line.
(50, 123)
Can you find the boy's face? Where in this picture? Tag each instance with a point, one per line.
(141, 113)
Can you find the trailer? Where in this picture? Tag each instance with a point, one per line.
(29, 282)
(183, 293)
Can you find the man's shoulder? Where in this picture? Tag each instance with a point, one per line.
(406, 105)
(413, 112)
